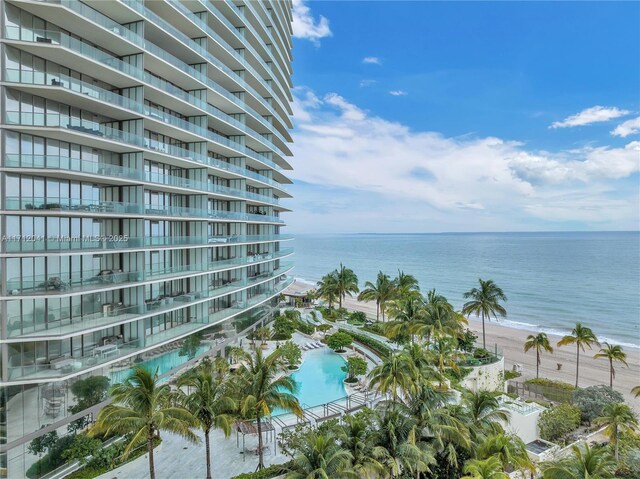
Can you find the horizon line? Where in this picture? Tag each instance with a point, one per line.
(470, 232)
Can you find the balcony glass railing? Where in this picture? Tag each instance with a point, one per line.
(99, 130)
(61, 322)
(249, 26)
(88, 280)
(102, 131)
(65, 242)
(82, 205)
(31, 77)
(185, 40)
(113, 352)
(246, 45)
(58, 38)
(104, 21)
(13, 160)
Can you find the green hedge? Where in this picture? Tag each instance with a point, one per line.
(558, 391)
(376, 346)
(274, 470)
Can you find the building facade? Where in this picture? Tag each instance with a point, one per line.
(143, 158)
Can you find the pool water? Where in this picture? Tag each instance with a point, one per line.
(164, 363)
(320, 378)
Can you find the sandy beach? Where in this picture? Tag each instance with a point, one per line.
(510, 341)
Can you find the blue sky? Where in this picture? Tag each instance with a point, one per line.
(450, 116)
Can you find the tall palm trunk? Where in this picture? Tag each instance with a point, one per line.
(260, 452)
(377, 311)
(537, 362)
(615, 443)
(152, 468)
(611, 377)
(208, 452)
(577, 364)
(484, 336)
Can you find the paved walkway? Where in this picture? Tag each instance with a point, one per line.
(176, 458)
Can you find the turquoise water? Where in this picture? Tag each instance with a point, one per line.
(320, 378)
(164, 363)
(551, 280)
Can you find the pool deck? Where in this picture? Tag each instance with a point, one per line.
(177, 458)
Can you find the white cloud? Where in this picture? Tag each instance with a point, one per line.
(398, 93)
(629, 127)
(372, 60)
(306, 26)
(366, 83)
(595, 114)
(426, 181)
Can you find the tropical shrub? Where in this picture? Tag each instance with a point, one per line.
(593, 399)
(292, 354)
(355, 367)
(558, 421)
(467, 340)
(274, 470)
(558, 391)
(283, 328)
(338, 341)
(376, 346)
(357, 317)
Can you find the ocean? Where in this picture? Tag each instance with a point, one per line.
(552, 280)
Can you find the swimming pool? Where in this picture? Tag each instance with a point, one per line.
(320, 378)
(164, 363)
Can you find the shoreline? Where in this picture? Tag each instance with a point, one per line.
(511, 340)
(506, 323)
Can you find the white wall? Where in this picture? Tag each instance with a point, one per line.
(489, 377)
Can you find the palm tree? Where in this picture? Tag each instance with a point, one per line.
(407, 312)
(443, 354)
(347, 283)
(489, 468)
(585, 463)
(508, 448)
(320, 457)
(612, 353)
(262, 389)
(358, 436)
(143, 407)
(398, 449)
(405, 283)
(485, 302)
(483, 414)
(437, 315)
(209, 401)
(395, 373)
(618, 417)
(380, 292)
(328, 288)
(581, 336)
(538, 342)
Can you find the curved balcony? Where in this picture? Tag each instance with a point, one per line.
(101, 355)
(203, 52)
(116, 242)
(246, 45)
(109, 279)
(103, 21)
(60, 323)
(89, 51)
(102, 207)
(132, 141)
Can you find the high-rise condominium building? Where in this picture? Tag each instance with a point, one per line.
(143, 144)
